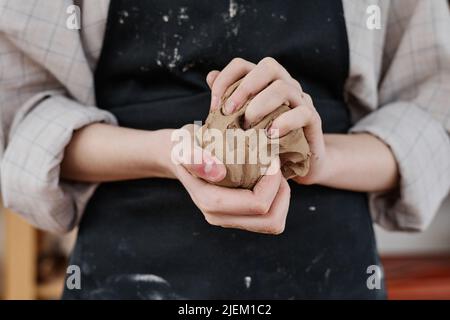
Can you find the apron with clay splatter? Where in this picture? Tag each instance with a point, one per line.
(145, 239)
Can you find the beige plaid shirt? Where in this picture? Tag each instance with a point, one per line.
(398, 90)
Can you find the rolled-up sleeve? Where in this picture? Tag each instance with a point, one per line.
(46, 93)
(414, 114)
(422, 149)
(30, 168)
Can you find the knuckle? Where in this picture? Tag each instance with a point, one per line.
(307, 99)
(208, 204)
(280, 86)
(278, 226)
(315, 116)
(218, 87)
(243, 91)
(281, 89)
(210, 219)
(212, 203)
(260, 208)
(296, 84)
(237, 60)
(203, 207)
(271, 64)
(278, 230)
(306, 112)
(269, 61)
(311, 113)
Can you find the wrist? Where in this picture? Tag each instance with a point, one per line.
(331, 160)
(158, 146)
(353, 158)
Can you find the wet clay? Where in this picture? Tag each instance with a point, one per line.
(293, 149)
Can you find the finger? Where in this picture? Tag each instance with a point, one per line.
(211, 77)
(267, 187)
(266, 71)
(221, 200)
(271, 223)
(197, 161)
(206, 167)
(274, 166)
(270, 99)
(304, 116)
(234, 71)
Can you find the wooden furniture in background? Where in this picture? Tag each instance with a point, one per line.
(21, 263)
(20, 258)
(420, 277)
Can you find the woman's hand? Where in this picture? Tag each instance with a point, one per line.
(342, 161)
(101, 152)
(263, 209)
(270, 85)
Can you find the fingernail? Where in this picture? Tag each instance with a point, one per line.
(229, 107)
(211, 169)
(209, 164)
(213, 102)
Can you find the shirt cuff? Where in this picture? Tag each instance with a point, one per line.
(421, 147)
(30, 168)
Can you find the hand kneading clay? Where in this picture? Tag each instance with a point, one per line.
(293, 149)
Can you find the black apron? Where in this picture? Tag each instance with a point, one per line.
(146, 238)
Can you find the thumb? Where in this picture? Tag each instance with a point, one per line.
(203, 165)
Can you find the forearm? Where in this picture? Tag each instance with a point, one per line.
(359, 162)
(101, 152)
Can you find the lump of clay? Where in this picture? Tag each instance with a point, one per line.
(293, 149)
